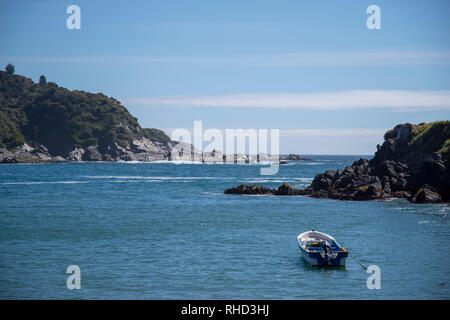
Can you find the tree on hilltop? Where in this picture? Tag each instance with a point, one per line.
(10, 68)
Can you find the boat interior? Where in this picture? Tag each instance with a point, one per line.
(312, 241)
(315, 245)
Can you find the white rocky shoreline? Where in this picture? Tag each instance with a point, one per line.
(143, 150)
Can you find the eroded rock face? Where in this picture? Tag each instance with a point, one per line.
(426, 194)
(435, 172)
(76, 154)
(42, 153)
(25, 154)
(287, 190)
(143, 150)
(5, 154)
(92, 154)
(401, 194)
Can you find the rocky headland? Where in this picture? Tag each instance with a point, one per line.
(412, 163)
(43, 122)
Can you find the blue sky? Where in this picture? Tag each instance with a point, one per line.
(309, 68)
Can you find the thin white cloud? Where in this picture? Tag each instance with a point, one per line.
(364, 58)
(334, 100)
(355, 58)
(307, 132)
(104, 59)
(333, 132)
(331, 141)
(322, 141)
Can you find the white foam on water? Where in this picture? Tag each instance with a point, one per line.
(134, 181)
(262, 181)
(312, 163)
(132, 162)
(44, 182)
(278, 179)
(262, 163)
(156, 178)
(303, 179)
(212, 193)
(189, 179)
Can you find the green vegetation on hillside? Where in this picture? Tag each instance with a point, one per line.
(156, 135)
(424, 128)
(390, 134)
(433, 136)
(60, 119)
(429, 137)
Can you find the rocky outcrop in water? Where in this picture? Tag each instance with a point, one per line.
(283, 190)
(250, 189)
(287, 190)
(413, 163)
(293, 157)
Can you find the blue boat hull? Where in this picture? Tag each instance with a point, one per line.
(315, 259)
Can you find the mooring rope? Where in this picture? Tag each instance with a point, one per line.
(362, 266)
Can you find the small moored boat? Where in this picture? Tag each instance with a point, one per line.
(320, 249)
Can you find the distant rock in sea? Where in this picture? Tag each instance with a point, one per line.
(293, 157)
(283, 190)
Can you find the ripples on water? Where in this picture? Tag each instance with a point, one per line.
(166, 231)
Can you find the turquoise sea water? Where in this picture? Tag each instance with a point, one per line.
(167, 231)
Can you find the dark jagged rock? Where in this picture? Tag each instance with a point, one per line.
(412, 163)
(283, 190)
(413, 160)
(426, 194)
(401, 194)
(370, 192)
(287, 190)
(249, 189)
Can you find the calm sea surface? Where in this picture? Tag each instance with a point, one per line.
(167, 231)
